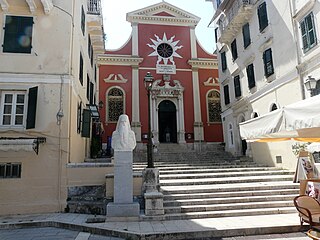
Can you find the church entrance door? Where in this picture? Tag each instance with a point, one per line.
(167, 115)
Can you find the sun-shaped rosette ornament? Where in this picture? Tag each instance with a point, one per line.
(165, 49)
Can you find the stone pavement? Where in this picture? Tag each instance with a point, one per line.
(231, 228)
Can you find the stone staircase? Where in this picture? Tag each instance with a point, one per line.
(212, 184)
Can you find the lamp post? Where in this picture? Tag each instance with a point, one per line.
(148, 80)
(310, 83)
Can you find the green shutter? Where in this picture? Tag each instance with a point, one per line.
(262, 15)
(18, 34)
(86, 123)
(32, 107)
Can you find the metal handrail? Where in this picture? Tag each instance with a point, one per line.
(94, 7)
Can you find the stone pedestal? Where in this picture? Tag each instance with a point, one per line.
(123, 205)
(150, 177)
(153, 203)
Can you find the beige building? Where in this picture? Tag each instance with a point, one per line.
(266, 51)
(47, 77)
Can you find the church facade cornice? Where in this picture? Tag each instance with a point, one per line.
(120, 60)
(163, 20)
(203, 63)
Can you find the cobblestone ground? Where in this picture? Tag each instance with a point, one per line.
(49, 233)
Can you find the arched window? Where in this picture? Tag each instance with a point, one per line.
(230, 131)
(273, 107)
(213, 106)
(115, 102)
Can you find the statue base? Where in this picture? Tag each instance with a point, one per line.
(123, 209)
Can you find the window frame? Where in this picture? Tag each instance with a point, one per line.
(303, 24)
(213, 99)
(234, 50)
(4, 168)
(108, 104)
(246, 35)
(81, 67)
(224, 65)
(13, 114)
(263, 16)
(6, 35)
(250, 76)
(268, 62)
(237, 86)
(83, 21)
(226, 94)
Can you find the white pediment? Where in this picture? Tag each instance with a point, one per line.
(163, 13)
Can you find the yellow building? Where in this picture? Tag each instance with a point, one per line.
(47, 77)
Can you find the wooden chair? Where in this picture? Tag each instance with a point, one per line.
(309, 210)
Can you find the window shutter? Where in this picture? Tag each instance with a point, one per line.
(17, 28)
(262, 15)
(237, 86)
(32, 108)
(226, 94)
(86, 123)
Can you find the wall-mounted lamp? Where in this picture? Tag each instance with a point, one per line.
(310, 83)
(101, 104)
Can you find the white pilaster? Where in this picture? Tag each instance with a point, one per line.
(136, 124)
(181, 132)
(198, 126)
(193, 43)
(135, 39)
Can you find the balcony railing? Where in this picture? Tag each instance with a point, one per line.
(239, 12)
(94, 7)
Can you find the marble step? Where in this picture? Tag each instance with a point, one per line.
(230, 213)
(227, 200)
(223, 174)
(221, 188)
(165, 171)
(225, 180)
(228, 206)
(208, 194)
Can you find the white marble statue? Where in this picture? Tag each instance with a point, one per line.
(123, 138)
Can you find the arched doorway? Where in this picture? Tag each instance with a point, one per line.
(167, 122)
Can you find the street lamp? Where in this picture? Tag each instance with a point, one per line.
(148, 80)
(310, 84)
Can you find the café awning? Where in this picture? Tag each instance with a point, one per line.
(299, 121)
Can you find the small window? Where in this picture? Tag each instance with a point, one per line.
(13, 108)
(115, 104)
(79, 119)
(10, 170)
(83, 21)
(246, 35)
(308, 32)
(18, 34)
(237, 86)
(263, 16)
(218, 3)
(223, 61)
(268, 63)
(88, 87)
(91, 99)
(81, 70)
(250, 76)
(234, 51)
(255, 115)
(226, 94)
(273, 107)
(216, 34)
(16, 111)
(214, 107)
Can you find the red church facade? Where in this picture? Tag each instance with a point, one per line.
(185, 104)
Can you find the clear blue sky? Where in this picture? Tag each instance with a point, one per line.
(118, 30)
